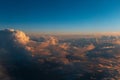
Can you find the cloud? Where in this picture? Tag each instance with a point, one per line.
(117, 42)
(11, 36)
(13, 54)
(46, 58)
(3, 74)
(90, 47)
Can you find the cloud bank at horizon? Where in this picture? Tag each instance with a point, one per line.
(22, 58)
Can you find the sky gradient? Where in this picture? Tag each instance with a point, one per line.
(70, 16)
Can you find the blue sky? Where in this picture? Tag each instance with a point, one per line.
(61, 15)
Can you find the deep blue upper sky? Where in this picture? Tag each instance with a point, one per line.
(61, 15)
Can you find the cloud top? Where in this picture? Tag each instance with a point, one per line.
(14, 36)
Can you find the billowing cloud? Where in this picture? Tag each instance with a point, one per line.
(11, 36)
(46, 58)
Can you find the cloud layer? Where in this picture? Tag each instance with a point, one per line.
(22, 58)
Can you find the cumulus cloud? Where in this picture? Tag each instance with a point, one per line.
(11, 36)
(22, 58)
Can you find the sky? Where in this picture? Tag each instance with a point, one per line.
(61, 16)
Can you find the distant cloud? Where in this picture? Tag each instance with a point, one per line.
(117, 42)
(90, 47)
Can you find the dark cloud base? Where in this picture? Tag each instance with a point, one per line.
(24, 59)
